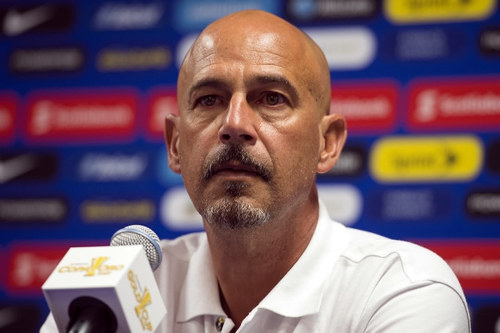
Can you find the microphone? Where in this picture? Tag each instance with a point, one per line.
(108, 288)
(140, 235)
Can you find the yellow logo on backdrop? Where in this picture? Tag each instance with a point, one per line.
(96, 267)
(418, 159)
(135, 59)
(143, 298)
(411, 11)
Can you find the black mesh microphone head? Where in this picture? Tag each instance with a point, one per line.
(140, 235)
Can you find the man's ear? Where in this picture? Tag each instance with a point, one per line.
(334, 134)
(172, 142)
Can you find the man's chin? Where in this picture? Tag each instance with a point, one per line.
(231, 214)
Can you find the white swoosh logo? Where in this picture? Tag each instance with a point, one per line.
(15, 167)
(16, 23)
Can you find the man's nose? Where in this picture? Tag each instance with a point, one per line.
(239, 123)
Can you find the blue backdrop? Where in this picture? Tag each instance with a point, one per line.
(85, 84)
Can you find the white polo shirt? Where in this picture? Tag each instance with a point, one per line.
(347, 280)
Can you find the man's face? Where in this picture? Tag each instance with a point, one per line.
(248, 130)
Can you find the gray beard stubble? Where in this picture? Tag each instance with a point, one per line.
(231, 211)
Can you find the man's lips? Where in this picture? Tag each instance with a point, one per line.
(235, 168)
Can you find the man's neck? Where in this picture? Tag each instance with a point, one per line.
(249, 263)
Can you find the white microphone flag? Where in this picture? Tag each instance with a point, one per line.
(119, 276)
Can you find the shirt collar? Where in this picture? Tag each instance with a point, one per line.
(300, 291)
(200, 292)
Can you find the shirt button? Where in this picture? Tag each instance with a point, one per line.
(219, 323)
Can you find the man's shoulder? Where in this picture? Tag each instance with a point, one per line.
(385, 278)
(413, 261)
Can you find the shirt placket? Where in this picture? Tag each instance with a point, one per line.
(223, 325)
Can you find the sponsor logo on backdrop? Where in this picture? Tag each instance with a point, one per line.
(162, 101)
(423, 11)
(486, 318)
(426, 159)
(347, 48)
(454, 104)
(493, 157)
(20, 317)
(43, 17)
(316, 10)
(33, 210)
(343, 202)
(30, 265)
(28, 166)
(476, 263)
(351, 163)
(112, 167)
(483, 204)
(99, 211)
(46, 60)
(177, 211)
(367, 107)
(128, 16)
(419, 205)
(81, 116)
(8, 108)
(423, 44)
(3, 263)
(140, 58)
(194, 15)
(489, 41)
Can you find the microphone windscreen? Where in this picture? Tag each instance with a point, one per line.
(140, 235)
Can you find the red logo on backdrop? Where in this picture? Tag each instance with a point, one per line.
(3, 264)
(161, 103)
(29, 265)
(366, 106)
(81, 116)
(457, 104)
(8, 106)
(476, 264)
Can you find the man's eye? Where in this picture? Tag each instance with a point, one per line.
(209, 100)
(274, 99)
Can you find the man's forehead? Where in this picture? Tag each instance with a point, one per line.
(264, 56)
(255, 42)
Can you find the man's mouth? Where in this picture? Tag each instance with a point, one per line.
(236, 167)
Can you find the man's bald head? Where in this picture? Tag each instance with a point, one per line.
(268, 33)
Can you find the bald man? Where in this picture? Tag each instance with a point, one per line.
(253, 131)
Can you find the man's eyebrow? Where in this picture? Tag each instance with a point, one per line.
(279, 81)
(208, 83)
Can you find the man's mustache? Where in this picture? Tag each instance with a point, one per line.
(236, 153)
